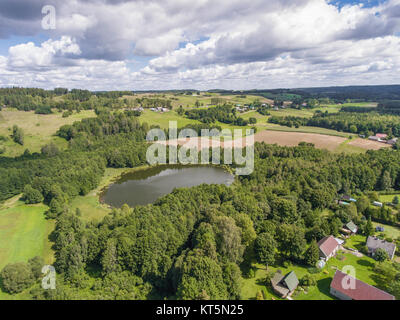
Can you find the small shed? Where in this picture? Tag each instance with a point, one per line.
(351, 227)
(321, 264)
(285, 285)
(378, 204)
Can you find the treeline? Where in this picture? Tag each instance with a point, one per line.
(362, 123)
(27, 99)
(225, 114)
(105, 124)
(153, 103)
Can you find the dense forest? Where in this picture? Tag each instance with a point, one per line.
(368, 123)
(336, 94)
(225, 114)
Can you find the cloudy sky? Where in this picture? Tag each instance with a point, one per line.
(202, 44)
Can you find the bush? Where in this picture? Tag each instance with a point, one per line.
(308, 281)
(17, 277)
(381, 255)
(43, 110)
(31, 195)
(36, 264)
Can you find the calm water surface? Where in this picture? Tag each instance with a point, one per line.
(146, 186)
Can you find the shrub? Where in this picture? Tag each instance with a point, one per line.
(17, 277)
(43, 110)
(31, 195)
(308, 281)
(381, 255)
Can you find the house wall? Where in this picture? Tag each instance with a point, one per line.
(339, 295)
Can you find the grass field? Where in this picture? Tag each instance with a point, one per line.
(38, 129)
(188, 101)
(363, 266)
(24, 233)
(390, 231)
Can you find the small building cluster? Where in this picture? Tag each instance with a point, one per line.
(382, 137)
(159, 109)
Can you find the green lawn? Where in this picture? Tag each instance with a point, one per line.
(390, 231)
(24, 233)
(363, 266)
(384, 198)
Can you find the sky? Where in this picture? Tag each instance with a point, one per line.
(203, 44)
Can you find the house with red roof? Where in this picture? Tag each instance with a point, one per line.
(381, 135)
(346, 287)
(328, 247)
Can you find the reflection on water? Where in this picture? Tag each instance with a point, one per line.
(146, 186)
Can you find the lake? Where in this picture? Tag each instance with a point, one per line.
(146, 186)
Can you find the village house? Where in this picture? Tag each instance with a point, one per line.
(374, 138)
(377, 204)
(328, 247)
(285, 285)
(350, 228)
(341, 288)
(374, 243)
(382, 136)
(348, 198)
(392, 141)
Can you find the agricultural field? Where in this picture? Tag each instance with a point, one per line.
(294, 138)
(39, 130)
(189, 101)
(368, 144)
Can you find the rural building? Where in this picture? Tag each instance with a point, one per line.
(284, 285)
(382, 135)
(341, 288)
(374, 138)
(392, 141)
(348, 198)
(328, 247)
(344, 203)
(374, 243)
(378, 204)
(350, 228)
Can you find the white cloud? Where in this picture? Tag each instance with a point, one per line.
(245, 44)
(29, 55)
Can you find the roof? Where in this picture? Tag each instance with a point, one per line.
(327, 245)
(374, 243)
(339, 241)
(352, 227)
(276, 282)
(362, 291)
(381, 135)
(291, 281)
(277, 278)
